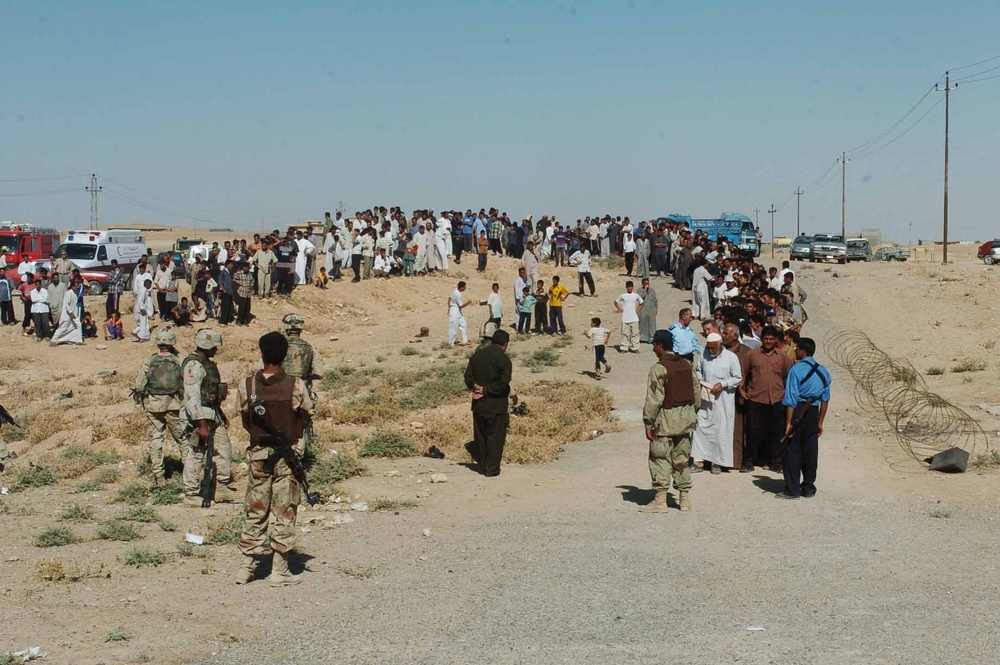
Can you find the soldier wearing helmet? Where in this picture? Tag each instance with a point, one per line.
(159, 388)
(204, 393)
(302, 361)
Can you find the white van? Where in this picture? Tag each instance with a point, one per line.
(96, 249)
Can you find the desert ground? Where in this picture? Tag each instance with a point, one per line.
(549, 562)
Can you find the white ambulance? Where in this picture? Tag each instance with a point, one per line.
(96, 249)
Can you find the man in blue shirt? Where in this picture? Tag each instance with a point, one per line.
(807, 396)
(685, 339)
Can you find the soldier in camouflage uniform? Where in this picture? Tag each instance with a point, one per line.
(670, 414)
(273, 493)
(161, 388)
(5, 454)
(204, 393)
(303, 362)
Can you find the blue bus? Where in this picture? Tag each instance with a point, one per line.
(736, 228)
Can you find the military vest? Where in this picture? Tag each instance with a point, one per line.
(276, 393)
(164, 375)
(679, 388)
(299, 360)
(213, 390)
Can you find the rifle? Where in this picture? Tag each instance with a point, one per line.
(207, 489)
(282, 447)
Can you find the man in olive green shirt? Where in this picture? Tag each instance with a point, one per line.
(670, 414)
(488, 376)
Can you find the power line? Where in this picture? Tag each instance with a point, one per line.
(995, 57)
(872, 142)
(987, 78)
(898, 136)
(970, 76)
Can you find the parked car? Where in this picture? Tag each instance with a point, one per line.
(800, 248)
(859, 249)
(989, 252)
(892, 254)
(828, 246)
(96, 279)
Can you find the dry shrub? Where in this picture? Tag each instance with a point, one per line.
(129, 428)
(448, 427)
(46, 424)
(372, 409)
(57, 570)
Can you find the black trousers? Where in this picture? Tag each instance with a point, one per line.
(489, 434)
(7, 312)
(589, 279)
(243, 311)
(523, 322)
(541, 317)
(457, 243)
(765, 426)
(556, 323)
(495, 246)
(802, 455)
(226, 309)
(629, 262)
(27, 318)
(161, 304)
(43, 329)
(356, 267)
(111, 304)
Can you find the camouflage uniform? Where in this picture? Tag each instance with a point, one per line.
(202, 401)
(302, 362)
(670, 449)
(4, 453)
(161, 386)
(272, 492)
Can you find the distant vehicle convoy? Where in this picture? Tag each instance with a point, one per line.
(826, 246)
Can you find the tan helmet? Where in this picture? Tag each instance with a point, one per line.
(166, 337)
(207, 339)
(293, 322)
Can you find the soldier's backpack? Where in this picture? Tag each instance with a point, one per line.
(164, 376)
(298, 362)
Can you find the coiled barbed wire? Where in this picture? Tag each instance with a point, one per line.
(923, 422)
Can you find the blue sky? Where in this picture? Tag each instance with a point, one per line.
(243, 114)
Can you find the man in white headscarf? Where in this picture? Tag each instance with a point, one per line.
(720, 375)
(442, 236)
(142, 310)
(306, 249)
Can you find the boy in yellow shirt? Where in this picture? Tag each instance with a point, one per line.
(557, 295)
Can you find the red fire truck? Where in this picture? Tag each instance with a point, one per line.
(16, 241)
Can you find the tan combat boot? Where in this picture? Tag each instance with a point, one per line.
(194, 501)
(684, 499)
(227, 494)
(247, 571)
(280, 576)
(658, 504)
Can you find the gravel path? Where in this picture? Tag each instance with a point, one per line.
(553, 564)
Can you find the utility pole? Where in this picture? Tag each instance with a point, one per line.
(944, 233)
(911, 234)
(756, 217)
(843, 194)
(94, 191)
(798, 209)
(772, 210)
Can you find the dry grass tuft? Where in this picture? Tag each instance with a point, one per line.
(57, 570)
(129, 428)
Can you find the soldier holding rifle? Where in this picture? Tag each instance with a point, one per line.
(275, 409)
(807, 396)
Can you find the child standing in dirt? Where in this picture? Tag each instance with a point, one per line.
(600, 337)
(524, 311)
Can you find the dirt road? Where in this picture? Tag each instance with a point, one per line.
(553, 563)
